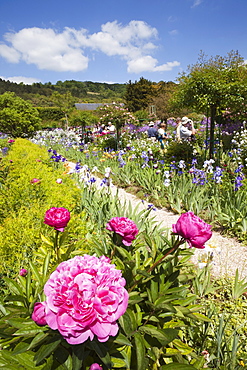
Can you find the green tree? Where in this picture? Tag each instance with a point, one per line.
(216, 84)
(18, 117)
(139, 94)
(83, 119)
(65, 102)
(163, 92)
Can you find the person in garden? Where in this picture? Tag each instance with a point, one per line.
(178, 126)
(152, 131)
(162, 134)
(111, 128)
(187, 130)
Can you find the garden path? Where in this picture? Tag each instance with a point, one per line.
(228, 254)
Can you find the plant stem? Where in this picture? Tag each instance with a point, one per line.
(56, 246)
(175, 247)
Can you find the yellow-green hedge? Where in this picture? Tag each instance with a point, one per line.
(23, 204)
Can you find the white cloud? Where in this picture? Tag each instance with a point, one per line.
(149, 64)
(18, 79)
(65, 51)
(10, 54)
(47, 49)
(173, 32)
(196, 3)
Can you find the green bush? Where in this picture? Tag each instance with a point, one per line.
(23, 203)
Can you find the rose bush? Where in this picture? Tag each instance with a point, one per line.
(124, 227)
(57, 217)
(85, 296)
(194, 230)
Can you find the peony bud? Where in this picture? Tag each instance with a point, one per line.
(95, 366)
(23, 272)
(35, 181)
(39, 315)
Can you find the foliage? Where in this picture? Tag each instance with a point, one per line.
(48, 114)
(224, 337)
(216, 81)
(18, 118)
(161, 100)
(138, 94)
(65, 102)
(83, 119)
(160, 304)
(177, 151)
(39, 94)
(24, 203)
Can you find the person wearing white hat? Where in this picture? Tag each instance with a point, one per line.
(186, 129)
(152, 131)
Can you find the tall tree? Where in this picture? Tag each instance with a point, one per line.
(139, 94)
(216, 84)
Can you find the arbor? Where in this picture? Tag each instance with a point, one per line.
(138, 94)
(18, 117)
(216, 84)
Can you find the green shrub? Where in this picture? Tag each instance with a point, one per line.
(23, 203)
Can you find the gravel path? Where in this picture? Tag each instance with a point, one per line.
(228, 254)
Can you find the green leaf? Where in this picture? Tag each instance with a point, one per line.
(134, 298)
(46, 241)
(121, 339)
(118, 362)
(182, 347)
(177, 366)
(46, 264)
(35, 272)
(13, 286)
(101, 352)
(46, 349)
(125, 322)
(140, 351)
(164, 336)
(124, 253)
(37, 340)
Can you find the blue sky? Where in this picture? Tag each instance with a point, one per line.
(115, 41)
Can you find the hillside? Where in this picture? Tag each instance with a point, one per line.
(86, 91)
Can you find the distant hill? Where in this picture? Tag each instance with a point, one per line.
(87, 91)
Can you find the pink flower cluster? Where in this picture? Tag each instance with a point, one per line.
(85, 296)
(194, 230)
(124, 227)
(57, 217)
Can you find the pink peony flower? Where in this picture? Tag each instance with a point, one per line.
(57, 218)
(38, 314)
(11, 141)
(95, 366)
(85, 296)
(23, 272)
(193, 229)
(124, 227)
(35, 181)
